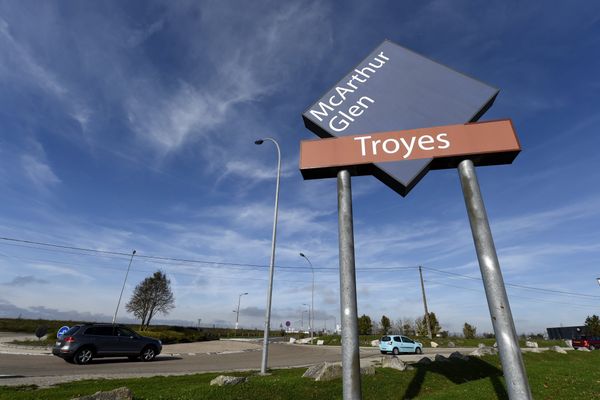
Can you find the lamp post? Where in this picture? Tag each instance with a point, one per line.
(309, 314)
(312, 301)
(302, 319)
(123, 288)
(598, 279)
(263, 366)
(237, 313)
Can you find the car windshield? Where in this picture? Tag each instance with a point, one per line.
(385, 339)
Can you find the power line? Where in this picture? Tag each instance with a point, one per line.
(519, 286)
(185, 261)
(165, 260)
(582, 306)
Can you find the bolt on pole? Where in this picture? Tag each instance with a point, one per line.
(495, 291)
(425, 304)
(350, 351)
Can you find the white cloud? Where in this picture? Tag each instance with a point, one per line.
(38, 172)
(21, 64)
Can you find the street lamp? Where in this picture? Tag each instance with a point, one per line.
(237, 316)
(309, 314)
(124, 281)
(312, 324)
(263, 366)
(302, 319)
(598, 279)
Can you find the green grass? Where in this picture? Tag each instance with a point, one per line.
(551, 376)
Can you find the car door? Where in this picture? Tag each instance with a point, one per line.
(408, 345)
(397, 343)
(129, 341)
(103, 338)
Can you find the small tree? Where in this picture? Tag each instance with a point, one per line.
(408, 327)
(434, 324)
(421, 325)
(469, 331)
(364, 325)
(397, 326)
(385, 325)
(150, 297)
(592, 325)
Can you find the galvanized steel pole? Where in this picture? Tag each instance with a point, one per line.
(123, 288)
(425, 304)
(263, 365)
(350, 350)
(495, 291)
(237, 316)
(311, 316)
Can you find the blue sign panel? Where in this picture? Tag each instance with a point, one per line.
(62, 331)
(396, 89)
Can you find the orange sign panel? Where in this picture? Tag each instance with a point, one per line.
(486, 143)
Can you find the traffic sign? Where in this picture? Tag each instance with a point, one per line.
(288, 323)
(62, 331)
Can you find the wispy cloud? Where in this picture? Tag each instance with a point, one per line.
(22, 65)
(38, 172)
(26, 280)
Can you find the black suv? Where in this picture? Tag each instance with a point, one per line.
(81, 343)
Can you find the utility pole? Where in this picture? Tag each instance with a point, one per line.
(425, 304)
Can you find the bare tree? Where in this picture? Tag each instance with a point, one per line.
(408, 327)
(151, 296)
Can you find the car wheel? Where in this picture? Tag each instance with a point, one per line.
(83, 356)
(592, 347)
(148, 353)
(418, 350)
(395, 351)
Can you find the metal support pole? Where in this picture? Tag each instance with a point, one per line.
(350, 351)
(311, 315)
(425, 304)
(123, 288)
(237, 313)
(495, 291)
(265, 353)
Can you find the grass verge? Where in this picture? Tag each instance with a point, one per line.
(365, 340)
(551, 376)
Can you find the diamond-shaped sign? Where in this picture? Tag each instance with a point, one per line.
(396, 89)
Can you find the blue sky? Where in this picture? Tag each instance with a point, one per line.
(130, 125)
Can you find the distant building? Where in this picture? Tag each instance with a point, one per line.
(565, 332)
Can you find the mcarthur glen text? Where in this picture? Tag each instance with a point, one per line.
(339, 119)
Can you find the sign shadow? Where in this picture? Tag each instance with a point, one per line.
(458, 372)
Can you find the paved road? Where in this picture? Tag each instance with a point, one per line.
(45, 370)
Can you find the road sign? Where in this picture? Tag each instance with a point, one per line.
(486, 143)
(397, 92)
(394, 89)
(62, 331)
(288, 323)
